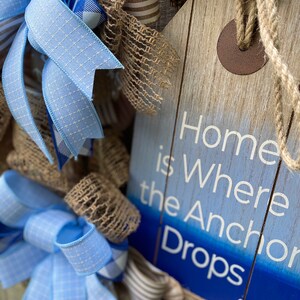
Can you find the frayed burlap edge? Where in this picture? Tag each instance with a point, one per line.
(148, 58)
(28, 159)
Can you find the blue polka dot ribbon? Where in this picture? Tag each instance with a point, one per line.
(41, 239)
(61, 30)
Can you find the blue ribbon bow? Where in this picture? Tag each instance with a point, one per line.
(62, 31)
(40, 238)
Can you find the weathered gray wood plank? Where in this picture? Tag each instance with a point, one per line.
(153, 134)
(282, 227)
(227, 102)
(221, 102)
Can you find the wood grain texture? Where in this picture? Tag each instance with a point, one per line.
(224, 101)
(177, 32)
(285, 228)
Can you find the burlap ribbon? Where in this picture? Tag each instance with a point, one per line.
(111, 159)
(28, 159)
(148, 58)
(96, 198)
(4, 114)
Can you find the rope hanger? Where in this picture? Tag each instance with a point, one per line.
(266, 12)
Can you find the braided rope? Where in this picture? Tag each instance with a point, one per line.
(245, 30)
(267, 14)
(268, 22)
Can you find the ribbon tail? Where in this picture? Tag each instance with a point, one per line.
(96, 290)
(15, 92)
(73, 115)
(18, 263)
(80, 54)
(62, 152)
(40, 286)
(66, 283)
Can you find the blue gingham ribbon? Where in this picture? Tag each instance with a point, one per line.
(40, 238)
(60, 30)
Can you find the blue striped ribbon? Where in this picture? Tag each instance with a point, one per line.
(64, 255)
(74, 53)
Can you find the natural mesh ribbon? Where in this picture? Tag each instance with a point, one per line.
(5, 148)
(96, 198)
(148, 58)
(31, 162)
(28, 159)
(4, 114)
(111, 159)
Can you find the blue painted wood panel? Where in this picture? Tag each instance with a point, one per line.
(148, 138)
(222, 163)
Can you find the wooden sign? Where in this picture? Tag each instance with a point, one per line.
(220, 211)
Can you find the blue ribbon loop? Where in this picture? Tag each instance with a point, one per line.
(63, 32)
(64, 255)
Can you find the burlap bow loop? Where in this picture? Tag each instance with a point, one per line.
(101, 202)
